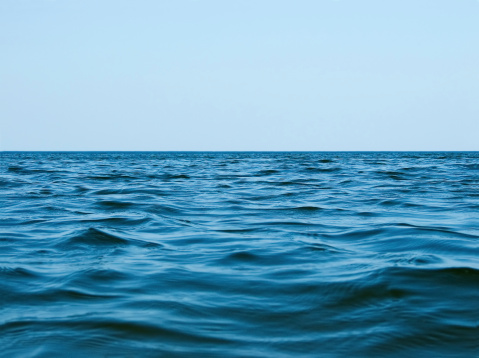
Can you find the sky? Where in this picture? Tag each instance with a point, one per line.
(221, 75)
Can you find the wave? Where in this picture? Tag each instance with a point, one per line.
(239, 254)
(93, 238)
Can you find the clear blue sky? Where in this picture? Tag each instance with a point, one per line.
(239, 75)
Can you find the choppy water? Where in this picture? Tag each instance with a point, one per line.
(239, 254)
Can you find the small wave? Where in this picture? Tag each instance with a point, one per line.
(168, 176)
(118, 220)
(96, 237)
(357, 234)
(323, 170)
(17, 273)
(8, 183)
(15, 169)
(299, 209)
(113, 177)
(440, 230)
(126, 329)
(267, 172)
(471, 166)
(307, 208)
(115, 204)
(242, 256)
(322, 247)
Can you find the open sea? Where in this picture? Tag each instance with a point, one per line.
(239, 254)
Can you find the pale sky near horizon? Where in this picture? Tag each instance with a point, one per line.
(239, 75)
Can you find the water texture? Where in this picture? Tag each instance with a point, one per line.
(239, 254)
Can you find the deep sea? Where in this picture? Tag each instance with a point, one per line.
(239, 254)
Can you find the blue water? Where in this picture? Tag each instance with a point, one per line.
(239, 254)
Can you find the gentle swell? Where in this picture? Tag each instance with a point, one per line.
(239, 254)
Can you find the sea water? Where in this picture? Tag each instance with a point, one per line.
(197, 254)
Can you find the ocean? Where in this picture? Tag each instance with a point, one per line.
(239, 254)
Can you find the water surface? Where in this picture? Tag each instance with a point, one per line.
(239, 254)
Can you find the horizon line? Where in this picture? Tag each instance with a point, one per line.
(236, 151)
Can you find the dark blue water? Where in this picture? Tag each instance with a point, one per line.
(239, 254)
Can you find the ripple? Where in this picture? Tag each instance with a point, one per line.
(239, 254)
(95, 237)
(115, 204)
